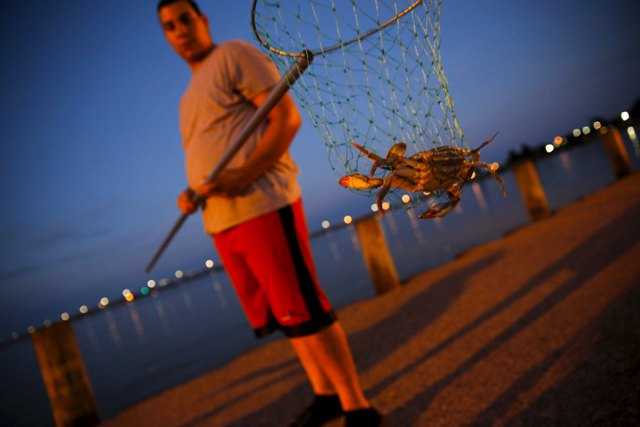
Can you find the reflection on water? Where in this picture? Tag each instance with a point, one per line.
(633, 136)
(188, 304)
(141, 348)
(91, 336)
(566, 163)
(354, 239)
(438, 223)
(477, 191)
(160, 312)
(335, 252)
(393, 226)
(135, 319)
(415, 227)
(113, 328)
(217, 289)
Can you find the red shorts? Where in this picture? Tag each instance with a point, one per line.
(268, 260)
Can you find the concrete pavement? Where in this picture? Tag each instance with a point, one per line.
(539, 328)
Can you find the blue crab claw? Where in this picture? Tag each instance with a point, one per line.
(358, 181)
(440, 210)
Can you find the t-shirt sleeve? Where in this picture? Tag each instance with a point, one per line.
(254, 72)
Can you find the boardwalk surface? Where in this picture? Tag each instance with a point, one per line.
(539, 328)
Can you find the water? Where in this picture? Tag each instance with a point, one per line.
(137, 350)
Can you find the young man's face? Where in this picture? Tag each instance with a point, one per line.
(186, 31)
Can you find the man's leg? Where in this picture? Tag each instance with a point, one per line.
(327, 360)
(320, 382)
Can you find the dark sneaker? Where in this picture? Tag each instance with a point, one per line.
(322, 410)
(364, 418)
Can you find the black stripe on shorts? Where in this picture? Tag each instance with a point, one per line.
(320, 319)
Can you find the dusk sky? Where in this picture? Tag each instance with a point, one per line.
(91, 161)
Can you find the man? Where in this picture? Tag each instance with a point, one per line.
(253, 209)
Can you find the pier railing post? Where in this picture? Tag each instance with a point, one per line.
(617, 152)
(376, 254)
(65, 376)
(533, 195)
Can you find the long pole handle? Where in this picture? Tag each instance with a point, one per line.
(278, 91)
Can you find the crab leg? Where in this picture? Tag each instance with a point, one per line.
(493, 174)
(487, 142)
(381, 195)
(377, 160)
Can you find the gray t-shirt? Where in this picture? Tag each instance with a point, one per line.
(214, 109)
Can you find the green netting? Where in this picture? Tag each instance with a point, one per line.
(388, 87)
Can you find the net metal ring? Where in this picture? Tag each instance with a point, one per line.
(329, 49)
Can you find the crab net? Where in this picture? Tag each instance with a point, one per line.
(376, 78)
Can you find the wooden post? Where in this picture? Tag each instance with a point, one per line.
(617, 152)
(65, 376)
(376, 254)
(531, 189)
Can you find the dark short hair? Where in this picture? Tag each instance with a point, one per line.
(163, 3)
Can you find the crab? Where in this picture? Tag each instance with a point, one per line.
(439, 169)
